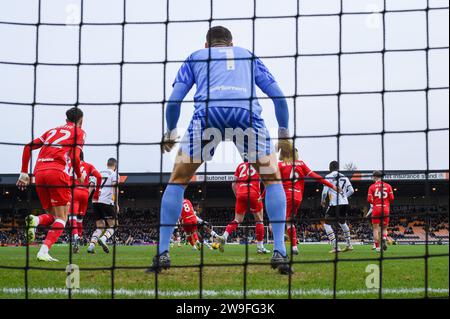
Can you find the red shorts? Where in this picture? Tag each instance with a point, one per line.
(293, 203)
(80, 202)
(244, 198)
(53, 188)
(376, 216)
(190, 225)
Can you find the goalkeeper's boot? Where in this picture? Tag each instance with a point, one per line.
(46, 257)
(31, 223)
(160, 262)
(281, 263)
(348, 248)
(263, 250)
(222, 241)
(104, 245)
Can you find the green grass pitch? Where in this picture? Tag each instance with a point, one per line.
(400, 278)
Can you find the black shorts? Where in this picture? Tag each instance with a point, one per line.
(336, 213)
(104, 211)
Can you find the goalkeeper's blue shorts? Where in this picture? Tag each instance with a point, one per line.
(213, 125)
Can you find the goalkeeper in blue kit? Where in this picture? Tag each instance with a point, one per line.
(226, 108)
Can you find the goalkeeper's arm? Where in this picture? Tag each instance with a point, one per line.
(281, 108)
(180, 90)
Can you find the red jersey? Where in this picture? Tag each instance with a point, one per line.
(90, 170)
(293, 175)
(380, 195)
(187, 212)
(246, 175)
(57, 149)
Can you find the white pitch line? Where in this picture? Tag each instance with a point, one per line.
(217, 293)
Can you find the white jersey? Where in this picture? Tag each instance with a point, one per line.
(107, 191)
(343, 183)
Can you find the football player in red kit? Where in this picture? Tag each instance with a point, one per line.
(190, 222)
(247, 189)
(79, 203)
(293, 173)
(57, 168)
(380, 197)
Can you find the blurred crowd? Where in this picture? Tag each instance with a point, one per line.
(139, 227)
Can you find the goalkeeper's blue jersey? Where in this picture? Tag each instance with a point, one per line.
(225, 77)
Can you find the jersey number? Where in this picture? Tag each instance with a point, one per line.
(246, 170)
(56, 143)
(378, 193)
(229, 53)
(187, 208)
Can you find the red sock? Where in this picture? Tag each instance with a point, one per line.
(54, 233)
(195, 237)
(46, 219)
(80, 227)
(259, 232)
(231, 228)
(377, 244)
(190, 240)
(292, 232)
(74, 225)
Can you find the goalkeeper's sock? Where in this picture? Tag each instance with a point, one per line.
(276, 209)
(171, 205)
(292, 232)
(330, 233)
(259, 232)
(346, 231)
(46, 219)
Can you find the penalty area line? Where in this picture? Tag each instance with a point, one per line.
(218, 293)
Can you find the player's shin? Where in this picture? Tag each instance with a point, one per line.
(107, 234)
(260, 234)
(53, 234)
(292, 233)
(80, 226)
(330, 234)
(276, 209)
(346, 231)
(74, 226)
(231, 228)
(171, 206)
(95, 236)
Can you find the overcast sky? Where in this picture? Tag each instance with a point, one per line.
(141, 123)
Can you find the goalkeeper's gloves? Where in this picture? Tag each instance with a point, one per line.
(284, 141)
(169, 140)
(23, 181)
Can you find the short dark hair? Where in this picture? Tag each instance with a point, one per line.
(377, 174)
(219, 34)
(111, 161)
(334, 166)
(74, 114)
(81, 156)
